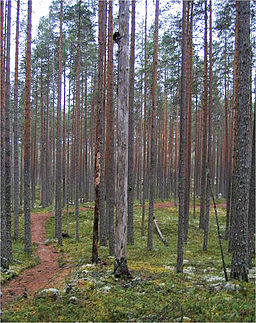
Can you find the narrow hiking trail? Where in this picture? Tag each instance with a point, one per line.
(33, 279)
(47, 272)
(163, 205)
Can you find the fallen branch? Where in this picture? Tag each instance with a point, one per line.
(160, 234)
(218, 228)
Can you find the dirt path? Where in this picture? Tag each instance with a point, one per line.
(40, 276)
(164, 205)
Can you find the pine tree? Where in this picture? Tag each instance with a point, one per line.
(152, 172)
(27, 127)
(58, 203)
(120, 264)
(241, 184)
(130, 229)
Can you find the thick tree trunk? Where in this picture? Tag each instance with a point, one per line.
(120, 264)
(241, 184)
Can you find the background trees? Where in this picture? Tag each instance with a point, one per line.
(186, 124)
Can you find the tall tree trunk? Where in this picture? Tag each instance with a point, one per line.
(189, 117)
(251, 212)
(144, 128)
(152, 173)
(120, 264)
(77, 125)
(4, 262)
(110, 160)
(15, 133)
(58, 203)
(7, 144)
(183, 136)
(204, 139)
(208, 188)
(241, 184)
(99, 134)
(27, 126)
(130, 229)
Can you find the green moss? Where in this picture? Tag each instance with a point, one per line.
(156, 293)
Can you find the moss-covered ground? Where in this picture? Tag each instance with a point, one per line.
(156, 292)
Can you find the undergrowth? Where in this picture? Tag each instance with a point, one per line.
(156, 292)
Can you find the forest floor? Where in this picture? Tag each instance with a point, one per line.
(87, 292)
(40, 276)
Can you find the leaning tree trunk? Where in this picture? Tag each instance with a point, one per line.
(120, 264)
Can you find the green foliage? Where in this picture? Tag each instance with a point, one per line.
(156, 292)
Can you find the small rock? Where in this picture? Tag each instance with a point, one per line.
(185, 261)
(213, 278)
(106, 289)
(73, 300)
(48, 293)
(68, 288)
(183, 319)
(47, 241)
(231, 287)
(216, 287)
(252, 276)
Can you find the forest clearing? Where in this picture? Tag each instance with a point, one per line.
(127, 167)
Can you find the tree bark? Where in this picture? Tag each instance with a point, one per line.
(15, 133)
(120, 264)
(58, 203)
(152, 173)
(27, 129)
(109, 159)
(241, 184)
(130, 229)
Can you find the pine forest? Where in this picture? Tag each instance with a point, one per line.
(127, 169)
